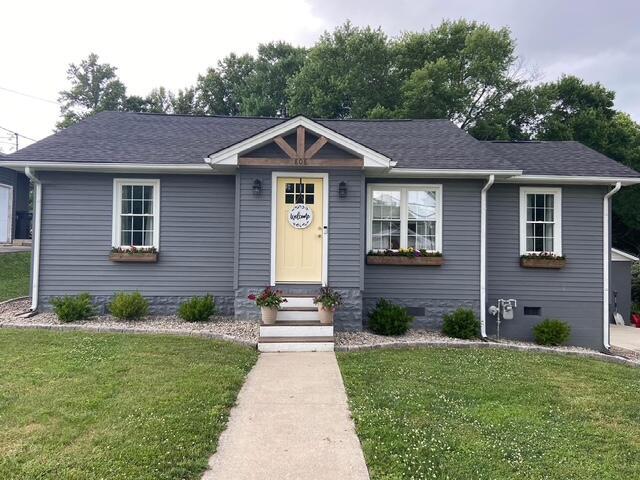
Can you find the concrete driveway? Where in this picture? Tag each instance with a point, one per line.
(625, 337)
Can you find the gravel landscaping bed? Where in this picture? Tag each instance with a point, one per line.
(353, 341)
(219, 327)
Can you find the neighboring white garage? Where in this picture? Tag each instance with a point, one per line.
(621, 282)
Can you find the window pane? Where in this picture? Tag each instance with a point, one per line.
(137, 192)
(137, 223)
(136, 238)
(310, 187)
(386, 204)
(421, 204)
(148, 192)
(288, 198)
(299, 187)
(147, 207)
(308, 199)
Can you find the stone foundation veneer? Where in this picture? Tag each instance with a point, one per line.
(347, 317)
(434, 309)
(158, 305)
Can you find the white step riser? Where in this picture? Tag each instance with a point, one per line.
(295, 315)
(298, 302)
(296, 331)
(296, 347)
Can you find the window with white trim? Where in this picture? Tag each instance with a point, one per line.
(405, 216)
(540, 220)
(136, 208)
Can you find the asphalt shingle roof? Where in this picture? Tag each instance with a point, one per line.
(560, 158)
(137, 138)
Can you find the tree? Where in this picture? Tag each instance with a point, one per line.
(184, 102)
(347, 74)
(267, 88)
(460, 70)
(221, 90)
(94, 87)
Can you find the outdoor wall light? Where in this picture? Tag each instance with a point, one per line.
(257, 187)
(342, 190)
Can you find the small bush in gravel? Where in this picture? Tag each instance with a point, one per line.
(73, 308)
(198, 309)
(129, 306)
(389, 319)
(551, 332)
(462, 323)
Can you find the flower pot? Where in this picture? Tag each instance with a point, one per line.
(269, 315)
(326, 315)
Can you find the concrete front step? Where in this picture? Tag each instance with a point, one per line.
(296, 344)
(294, 301)
(298, 315)
(296, 329)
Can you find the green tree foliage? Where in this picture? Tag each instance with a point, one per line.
(267, 86)
(460, 70)
(221, 90)
(347, 73)
(94, 87)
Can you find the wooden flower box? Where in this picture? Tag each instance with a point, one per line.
(542, 262)
(402, 260)
(146, 257)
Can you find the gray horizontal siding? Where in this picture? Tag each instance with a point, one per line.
(459, 278)
(196, 237)
(572, 294)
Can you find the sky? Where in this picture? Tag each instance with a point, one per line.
(169, 43)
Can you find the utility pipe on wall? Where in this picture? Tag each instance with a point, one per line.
(37, 216)
(606, 254)
(483, 256)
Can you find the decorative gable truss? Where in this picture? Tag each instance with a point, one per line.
(300, 142)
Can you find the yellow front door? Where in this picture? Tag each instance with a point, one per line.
(300, 230)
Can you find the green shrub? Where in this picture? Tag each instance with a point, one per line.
(462, 323)
(198, 309)
(73, 308)
(551, 332)
(129, 306)
(389, 319)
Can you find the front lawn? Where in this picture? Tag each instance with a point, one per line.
(79, 405)
(14, 275)
(492, 414)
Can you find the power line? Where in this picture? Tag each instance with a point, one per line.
(18, 134)
(34, 97)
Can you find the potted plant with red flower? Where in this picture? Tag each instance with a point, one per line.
(269, 300)
(327, 302)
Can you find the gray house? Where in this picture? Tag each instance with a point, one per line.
(14, 204)
(227, 205)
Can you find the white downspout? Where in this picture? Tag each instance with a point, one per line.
(606, 252)
(483, 256)
(35, 275)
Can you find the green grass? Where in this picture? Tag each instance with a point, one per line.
(78, 405)
(14, 275)
(490, 414)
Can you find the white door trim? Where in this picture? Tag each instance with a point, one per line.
(9, 212)
(325, 218)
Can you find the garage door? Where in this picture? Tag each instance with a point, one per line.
(6, 199)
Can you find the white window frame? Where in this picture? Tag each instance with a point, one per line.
(557, 217)
(118, 183)
(404, 220)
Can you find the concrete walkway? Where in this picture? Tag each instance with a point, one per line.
(625, 337)
(291, 422)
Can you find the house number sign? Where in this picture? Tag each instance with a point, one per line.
(300, 216)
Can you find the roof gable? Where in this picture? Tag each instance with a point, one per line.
(356, 154)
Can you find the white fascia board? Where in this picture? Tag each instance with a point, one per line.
(620, 256)
(567, 179)
(444, 173)
(110, 167)
(229, 156)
